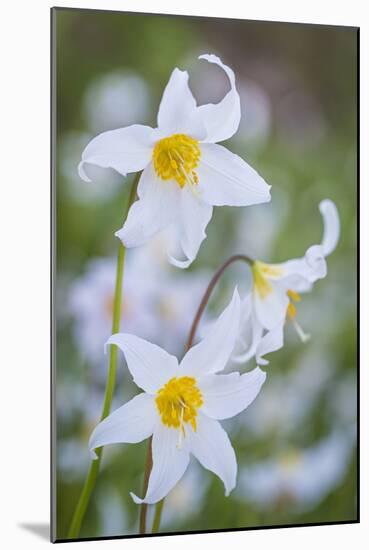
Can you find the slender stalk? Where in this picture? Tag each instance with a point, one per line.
(217, 275)
(148, 467)
(214, 280)
(157, 517)
(93, 471)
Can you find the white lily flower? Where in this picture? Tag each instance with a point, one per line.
(181, 405)
(276, 289)
(253, 340)
(185, 173)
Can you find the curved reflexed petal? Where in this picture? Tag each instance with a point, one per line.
(170, 461)
(222, 119)
(331, 222)
(211, 446)
(125, 150)
(272, 341)
(154, 210)
(213, 352)
(271, 309)
(151, 367)
(131, 423)
(194, 217)
(226, 179)
(315, 259)
(226, 395)
(300, 273)
(177, 111)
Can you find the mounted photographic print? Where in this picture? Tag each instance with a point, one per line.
(204, 323)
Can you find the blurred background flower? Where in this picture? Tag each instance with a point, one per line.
(298, 479)
(295, 444)
(159, 302)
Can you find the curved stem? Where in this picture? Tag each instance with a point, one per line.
(217, 275)
(93, 471)
(214, 280)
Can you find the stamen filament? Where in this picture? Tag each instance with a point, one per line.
(304, 336)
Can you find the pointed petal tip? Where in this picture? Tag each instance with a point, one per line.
(136, 499)
(111, 340)
(326, 202)
(267, 195)
(121, 236)
(210, 57)
(118, 234)
(237, 300)
(182, 264)
(236, 294)
(180, 71)
(81, 172)
(228, 490)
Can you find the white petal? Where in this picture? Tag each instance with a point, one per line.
(178, 112)
(170, 461)
(226, 395)
(250, 333)
(222, 119)
(272, 341)
(316, 263)
(271, 309)
(299, 273)
(131, 423)
(226, 179)
(211, 446)
(302, 272)
(213, 352)
(126, 150)
(152, 212)
(151, 367)
(194, 217)
(331, 222)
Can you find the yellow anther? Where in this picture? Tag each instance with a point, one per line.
(178, 401)
(291, 310)
(261, 273)
(176, 158)
(295, 296)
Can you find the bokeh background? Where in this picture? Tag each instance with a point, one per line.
(296, 444)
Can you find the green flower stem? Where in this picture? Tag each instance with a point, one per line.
(148, 468)
(213, 282)
(157, 517)
(93, 471)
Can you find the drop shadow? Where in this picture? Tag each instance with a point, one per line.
(42, 530)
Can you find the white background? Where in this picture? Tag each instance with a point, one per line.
(24, 249)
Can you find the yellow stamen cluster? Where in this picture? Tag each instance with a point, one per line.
(178, 401)
(176, 158)
(261, 272)
(291, 309)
